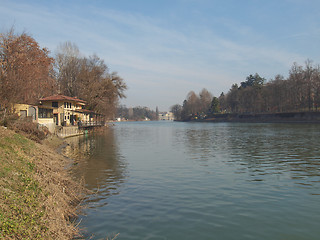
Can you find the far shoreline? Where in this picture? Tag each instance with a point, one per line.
(286, 117)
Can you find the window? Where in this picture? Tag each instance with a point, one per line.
(55, 104)
(45, 113)
(67, 105)
(23, 113)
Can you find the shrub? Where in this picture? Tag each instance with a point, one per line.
(30, 130)
(7, 119)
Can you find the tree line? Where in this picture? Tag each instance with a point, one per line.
(300, 91)
(28, 72)
(136, 113)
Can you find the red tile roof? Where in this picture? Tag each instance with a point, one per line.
(62, 98)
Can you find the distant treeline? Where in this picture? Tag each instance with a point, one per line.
(28, 72)
(299, 92)
(136, 113)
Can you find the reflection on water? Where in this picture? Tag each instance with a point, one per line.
(292, 149)
(259, 148)
(156, 180)
(97, 161)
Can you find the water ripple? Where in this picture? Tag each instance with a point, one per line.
(203, 181)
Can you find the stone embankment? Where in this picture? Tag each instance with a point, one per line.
(288, 117)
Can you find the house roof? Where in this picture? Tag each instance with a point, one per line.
(60, 97)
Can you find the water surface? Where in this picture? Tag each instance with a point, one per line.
(168, 180)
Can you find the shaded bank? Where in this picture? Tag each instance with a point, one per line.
(38, 197)
(288, 117)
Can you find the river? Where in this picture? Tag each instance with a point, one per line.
(173, 180)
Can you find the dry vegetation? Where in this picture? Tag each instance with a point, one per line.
(38, 198)
(28, 73)
(299, 92)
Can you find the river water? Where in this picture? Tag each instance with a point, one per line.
(172, 180)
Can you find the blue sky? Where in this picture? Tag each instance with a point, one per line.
(165, 48)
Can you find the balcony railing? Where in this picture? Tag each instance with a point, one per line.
(91, 124)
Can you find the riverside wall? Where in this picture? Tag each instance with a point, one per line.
(288, 117)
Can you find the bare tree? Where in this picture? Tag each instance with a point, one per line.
(176, 110)
(25, 69)
(193, 105)
(89, 79)
(309, 82)
(205, 100)
(232, 99)
(68, 67)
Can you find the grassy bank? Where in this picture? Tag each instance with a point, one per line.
(38, 198)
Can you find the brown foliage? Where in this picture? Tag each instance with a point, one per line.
(26, 74)
(25, 69)
(88, 79)
(299, 92)
(30, 130)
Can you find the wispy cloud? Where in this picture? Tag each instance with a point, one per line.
(151, 53)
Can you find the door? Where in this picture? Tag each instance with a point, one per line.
(62, 121)
(72, 119)
(32, 113)
(55, 118)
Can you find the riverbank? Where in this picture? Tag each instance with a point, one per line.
(287, 117)
(38, 197)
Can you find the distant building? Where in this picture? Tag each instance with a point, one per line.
(166, 116)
